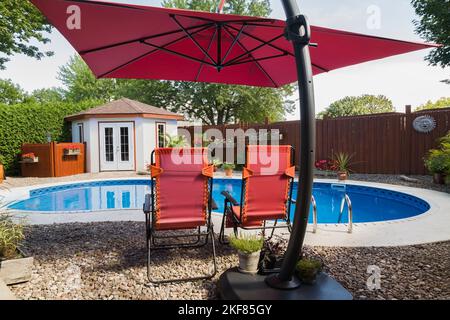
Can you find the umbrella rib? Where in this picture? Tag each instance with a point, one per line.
(149, 52)
(256, 62)
(264, 25)
(209, 47)
(248, 21)
(226, 21)
(233, 43)
(177, 53)
(254, 49)
(142, 38)
(193, 39)
(258, 59)
(319, 67)
(260, 40)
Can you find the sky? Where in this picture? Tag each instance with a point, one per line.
(405, 79)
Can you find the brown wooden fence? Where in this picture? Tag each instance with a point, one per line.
(385, 143)
(52, 161)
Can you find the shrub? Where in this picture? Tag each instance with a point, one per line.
(247, 244)
(438, 160)
(30, 123)
(11, 235)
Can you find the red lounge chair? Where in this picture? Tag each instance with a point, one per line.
(266, 193)
(180, 199)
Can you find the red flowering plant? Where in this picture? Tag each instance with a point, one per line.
(29, 155)
(71, 147)
(326, 165)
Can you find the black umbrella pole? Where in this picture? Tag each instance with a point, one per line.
(298, 32)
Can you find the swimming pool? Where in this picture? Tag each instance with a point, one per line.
(369, 204)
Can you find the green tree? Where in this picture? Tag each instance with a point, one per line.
(433, 26)
(81, 83)
(355, 106)
(11, 93)
(160, 94)
(47, 95)
(439, 104)
(20, 23)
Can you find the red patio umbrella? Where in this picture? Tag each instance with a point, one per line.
(130, 41)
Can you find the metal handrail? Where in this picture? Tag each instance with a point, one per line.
(314, 204)
(347, 200)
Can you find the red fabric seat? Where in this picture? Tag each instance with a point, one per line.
(181, 188)
(267, 182)
(177, 223)
(237, 213)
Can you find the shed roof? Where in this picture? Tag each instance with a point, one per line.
(125, 108)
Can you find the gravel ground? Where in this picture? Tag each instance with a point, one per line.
(425, 182)
(107, 261)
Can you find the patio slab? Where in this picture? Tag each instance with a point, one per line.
(5, 293)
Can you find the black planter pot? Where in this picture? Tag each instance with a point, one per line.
(309, 279)
(269, 263)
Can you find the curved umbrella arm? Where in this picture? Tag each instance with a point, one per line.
(298, 32)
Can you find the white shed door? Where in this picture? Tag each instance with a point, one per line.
(116, 146)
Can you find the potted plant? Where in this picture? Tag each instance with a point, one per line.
(29, 157)
(249, 251)
(15, 266)
(228, 168)
(325, 167)
(308, 269)
(342, 162)
(438, 163)
(216, 163)
(271, 255)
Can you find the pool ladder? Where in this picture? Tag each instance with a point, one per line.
(345, 200)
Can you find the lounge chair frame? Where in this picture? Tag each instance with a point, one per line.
(152, 236)
(238, 223)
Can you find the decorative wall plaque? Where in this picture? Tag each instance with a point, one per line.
(424, 124)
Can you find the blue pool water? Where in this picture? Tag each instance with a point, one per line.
(369, 204)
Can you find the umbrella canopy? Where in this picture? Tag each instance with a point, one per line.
(141, 42)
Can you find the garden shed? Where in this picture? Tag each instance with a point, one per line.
(121, 135)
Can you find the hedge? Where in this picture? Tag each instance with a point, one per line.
(30, 123)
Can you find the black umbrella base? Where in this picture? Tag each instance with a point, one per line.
(234, 285)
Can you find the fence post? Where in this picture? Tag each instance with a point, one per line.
(408, 109)
(407, 150)
(53, 160)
